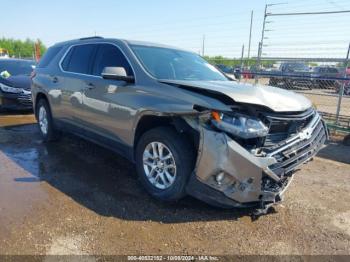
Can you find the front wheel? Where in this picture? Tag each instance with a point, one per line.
(164, 162)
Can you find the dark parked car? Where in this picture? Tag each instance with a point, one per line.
(291, 75)
(15, 92)
(324, 76)
(188, 129)
(237, 72)
(339, 83)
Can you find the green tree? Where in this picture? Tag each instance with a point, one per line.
(19, 48)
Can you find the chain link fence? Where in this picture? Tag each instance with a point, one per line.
(296, 54)
(326, 84)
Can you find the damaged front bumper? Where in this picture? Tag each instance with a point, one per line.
(228, 175)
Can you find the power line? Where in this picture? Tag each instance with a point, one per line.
(310, 4)
(309, 13)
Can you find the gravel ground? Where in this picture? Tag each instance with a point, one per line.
(73, 197)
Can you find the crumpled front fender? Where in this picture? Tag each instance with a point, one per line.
(243, 172)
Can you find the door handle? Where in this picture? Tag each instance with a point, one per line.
(54, 79)
(90, 86)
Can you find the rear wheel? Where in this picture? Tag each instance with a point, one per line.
(164, 162)
(45, 123)
(347, 140)
(272, 82)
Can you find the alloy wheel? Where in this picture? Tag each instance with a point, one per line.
(159, 165)
(43, 121)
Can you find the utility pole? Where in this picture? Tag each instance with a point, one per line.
(261, 43)
(250, 34)
(203, 45)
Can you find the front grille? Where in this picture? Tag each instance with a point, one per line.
(25, 100)
(298, 147)
(283, 126)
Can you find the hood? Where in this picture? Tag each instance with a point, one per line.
(20, 81)
(277, 99)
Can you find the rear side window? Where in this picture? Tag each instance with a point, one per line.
(78, 59)
(110, 56)
(333, 70)
(49, 56)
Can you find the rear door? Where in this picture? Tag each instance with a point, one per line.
(77, 66)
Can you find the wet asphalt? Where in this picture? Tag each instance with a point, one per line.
(74, 197)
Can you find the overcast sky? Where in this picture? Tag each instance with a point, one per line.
(225, 24)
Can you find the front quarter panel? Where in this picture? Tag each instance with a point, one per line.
(165, 100)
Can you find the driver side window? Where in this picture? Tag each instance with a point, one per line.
(108, 55)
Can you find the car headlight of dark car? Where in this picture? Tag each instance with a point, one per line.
(10, 89)
(239, 125)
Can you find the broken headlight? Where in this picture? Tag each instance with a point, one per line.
(10, 89)
(239, 125)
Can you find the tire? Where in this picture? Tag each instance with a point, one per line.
(347, 140)
(272, 82)
(183, 158)
(43, 115)
(346, 91)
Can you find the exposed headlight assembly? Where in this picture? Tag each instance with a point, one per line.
(10, 89)
(239, 125)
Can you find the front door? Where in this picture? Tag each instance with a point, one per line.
(104, 101)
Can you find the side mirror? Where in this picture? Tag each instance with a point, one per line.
(230, 77)
(117, 73)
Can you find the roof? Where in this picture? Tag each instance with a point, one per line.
(151, 44)
(130, 42)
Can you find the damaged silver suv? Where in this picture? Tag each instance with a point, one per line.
(188, 129)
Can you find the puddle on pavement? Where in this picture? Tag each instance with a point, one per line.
(93, 177)
(20, 167)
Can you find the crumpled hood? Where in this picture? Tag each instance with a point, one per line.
(277, 99)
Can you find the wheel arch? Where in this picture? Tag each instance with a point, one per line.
(38, 97)
(148, 122)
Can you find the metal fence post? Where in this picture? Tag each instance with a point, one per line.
(341, 89)
(242, 62)
(258, 61)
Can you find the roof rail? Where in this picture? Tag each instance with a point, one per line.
(91, 37)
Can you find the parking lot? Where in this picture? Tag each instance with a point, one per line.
(56, 200)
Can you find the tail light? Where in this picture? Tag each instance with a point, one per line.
(32, 74)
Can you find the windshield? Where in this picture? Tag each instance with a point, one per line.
(225, 69)
(17, 67)
(164, 63)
